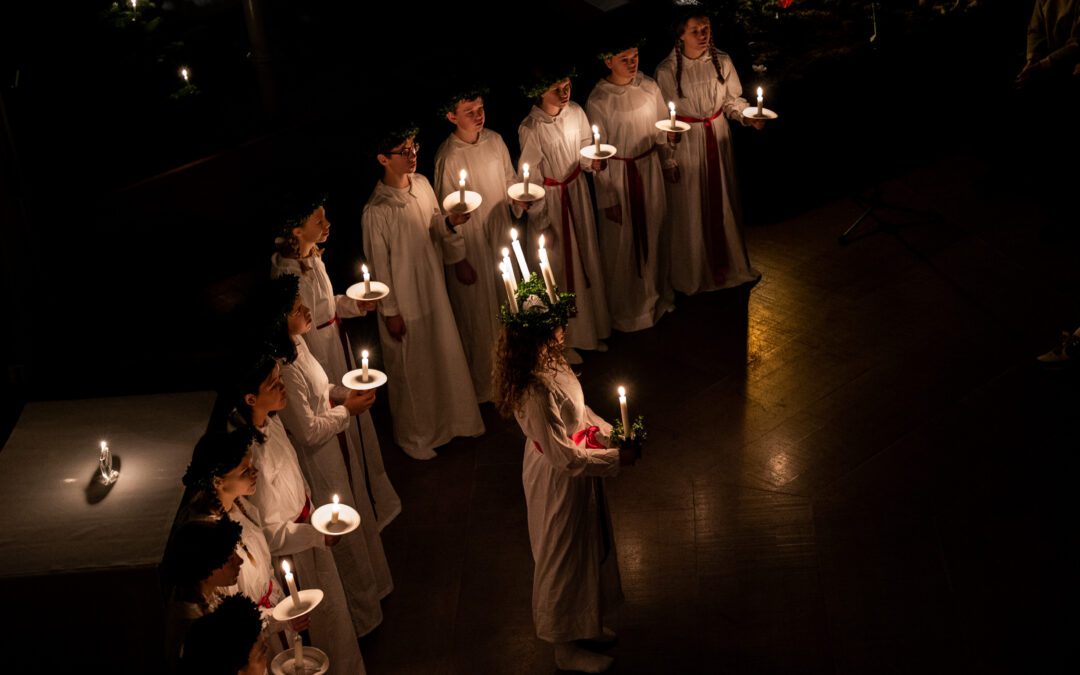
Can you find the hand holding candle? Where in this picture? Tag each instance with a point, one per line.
(624, 411)
(520, 254)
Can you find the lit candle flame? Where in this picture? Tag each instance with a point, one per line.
(285, 567)
(363, 355)
(363, 269)
(185, 73)
(595, 130)
(541, 241)
(462, 177)
(671, 106)
(525, 170)
(622, 391)
(336, 500)
(506, 252)
(759, 92)
(104, 446)
(513, 235)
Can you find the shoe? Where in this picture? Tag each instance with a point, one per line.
(1062, 355)
(420, 453)
(572, 357)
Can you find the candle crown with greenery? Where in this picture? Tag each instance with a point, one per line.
(536, 313)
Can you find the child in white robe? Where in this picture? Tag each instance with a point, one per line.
(630, 193)
(552, 137)
(475, 290)
(707, 250)
(305, 226)
(408, 240)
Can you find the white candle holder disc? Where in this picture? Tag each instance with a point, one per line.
(287, 609)
(752, 112)
(316, 662)
(452, 204)
(322, 519)
(517, 191)
(379, 290)
(354, 379)
(680, 126)
(606, 151)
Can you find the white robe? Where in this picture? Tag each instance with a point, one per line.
(636, 297)
(329, 347)
(572, 587)
(280, 496)
(257, 574)
(317, 431)
(551, 146)
(689, 200)
(476, 307)
(407, 242)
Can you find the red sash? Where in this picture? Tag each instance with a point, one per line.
(264, 601)
(567, 221)
(636, 188)
(305, 513)
(718, 252)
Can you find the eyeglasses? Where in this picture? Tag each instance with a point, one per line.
(407, 152)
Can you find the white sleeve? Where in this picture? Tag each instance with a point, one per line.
(377, 248)
(542, 423)
(299, 415)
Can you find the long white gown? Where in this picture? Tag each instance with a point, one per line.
(551, 146)
(330, 347)
(635, 268)
(281, 495)
(476, 306)
(318, 432)
(407, 242)
(574, 585)
(706, 254)
(257, 579)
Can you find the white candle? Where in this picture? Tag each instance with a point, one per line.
(525, 178)
(624, 412)
(364, 366)
(671, 107)
(520, 254)
(298, 655)
(291, 584)
(545, 272)
(367, 280)
(509, 268)
(508, 285)
(596, 139)
(760, 105)
(461, 183)
(335, 512)
(543, 251)
(185, 73)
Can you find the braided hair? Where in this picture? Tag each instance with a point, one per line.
(714, 53)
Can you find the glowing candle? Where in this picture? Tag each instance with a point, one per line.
(671, 107)
(290, 583)
(545, 271)
(624, 412)
(367, 280)
(509, 268)
(364, 370)
(335, 512)
(596, 138)
(760, 106)
(520, 255)
(185, 73)
(525, 177)
(508, 284)
(298, 655)
(461, 183)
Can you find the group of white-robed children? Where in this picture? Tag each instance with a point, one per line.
(668, 222)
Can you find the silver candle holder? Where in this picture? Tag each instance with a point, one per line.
(105, 465)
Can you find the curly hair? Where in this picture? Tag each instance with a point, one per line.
(215, 455)
(520, 357)
(221, 641)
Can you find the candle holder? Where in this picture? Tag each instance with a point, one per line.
(322, 519)
(379, 290)
(354, 379)
(680, 126)
(109, 475)
(288, 609)
(756, 113)
(638, 435)
(606, 151)
(316, 662)
(453, 203)
(517, 191)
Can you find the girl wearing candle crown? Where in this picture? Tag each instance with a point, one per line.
(227, 641)
(317, 415)
(552, 137)
(304, 227)
(203, 563)
(221, 476)
(576, 575)
(408, 241)
(631, 192)
(707, 251)
(283, 499)
(473, 288)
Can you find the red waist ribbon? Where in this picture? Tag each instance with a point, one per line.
(636, 189)
(718, 253)
(567, 222)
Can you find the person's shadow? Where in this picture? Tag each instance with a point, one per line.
(96, 490)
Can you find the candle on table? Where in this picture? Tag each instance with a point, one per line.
(461, 183)
(290, 583)
(671, 107)
(624, 412)
(520, 254)
(760, 105)
(367, 280)
(364, 366)
(298, 655)
(596, 139)
(335, 512)
(545, 271)
(525, 179)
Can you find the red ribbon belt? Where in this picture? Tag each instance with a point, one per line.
(567, 221)
(305, 513)
(331, 322)
(637, 207)
(264, 601)
(588, 434)
(718, 253)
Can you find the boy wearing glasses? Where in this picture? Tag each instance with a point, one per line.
(408, 241)
(475, 290)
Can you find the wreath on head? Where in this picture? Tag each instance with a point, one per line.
(616, 48)
(465, 94)
(543, 81)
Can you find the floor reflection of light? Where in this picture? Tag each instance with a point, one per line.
(69, 480)
(780, 469)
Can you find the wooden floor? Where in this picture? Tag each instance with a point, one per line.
(853, 468)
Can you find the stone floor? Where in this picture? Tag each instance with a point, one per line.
(854, 468)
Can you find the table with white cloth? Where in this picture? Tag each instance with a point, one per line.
(80, 562)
